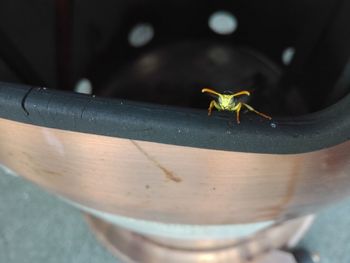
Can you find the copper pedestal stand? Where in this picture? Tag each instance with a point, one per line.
(132, 247)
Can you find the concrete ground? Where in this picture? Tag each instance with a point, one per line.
(37, 227)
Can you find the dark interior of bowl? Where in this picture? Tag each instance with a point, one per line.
(291, 55)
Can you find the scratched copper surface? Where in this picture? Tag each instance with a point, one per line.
(174, 184)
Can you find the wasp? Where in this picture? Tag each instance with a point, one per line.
(228, 102)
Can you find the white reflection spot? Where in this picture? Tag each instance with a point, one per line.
(141, 34)
(223, 22)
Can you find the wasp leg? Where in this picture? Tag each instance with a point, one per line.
(238, 109)
(213, 104)
(257, 112)
(243, 92)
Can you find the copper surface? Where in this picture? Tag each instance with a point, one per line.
(132, 247)
(174, 184)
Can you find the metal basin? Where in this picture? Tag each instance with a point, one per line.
(142, 153)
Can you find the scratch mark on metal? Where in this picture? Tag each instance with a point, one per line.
(167, 173)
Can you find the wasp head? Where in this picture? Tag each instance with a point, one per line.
(226, 101)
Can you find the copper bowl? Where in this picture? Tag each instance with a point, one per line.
(173, 165)
(143, 153)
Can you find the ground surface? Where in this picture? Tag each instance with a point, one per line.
(37, 227)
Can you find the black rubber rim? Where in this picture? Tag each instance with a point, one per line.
(172, 125)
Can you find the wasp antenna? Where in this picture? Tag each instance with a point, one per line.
(243, 92)
(211, 91)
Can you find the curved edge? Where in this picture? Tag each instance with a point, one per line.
(172, 125)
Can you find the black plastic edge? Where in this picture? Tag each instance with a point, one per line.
(172, 125)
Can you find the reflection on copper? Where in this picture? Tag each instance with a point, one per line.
(174, 184)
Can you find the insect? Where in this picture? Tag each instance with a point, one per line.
(227, 102)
